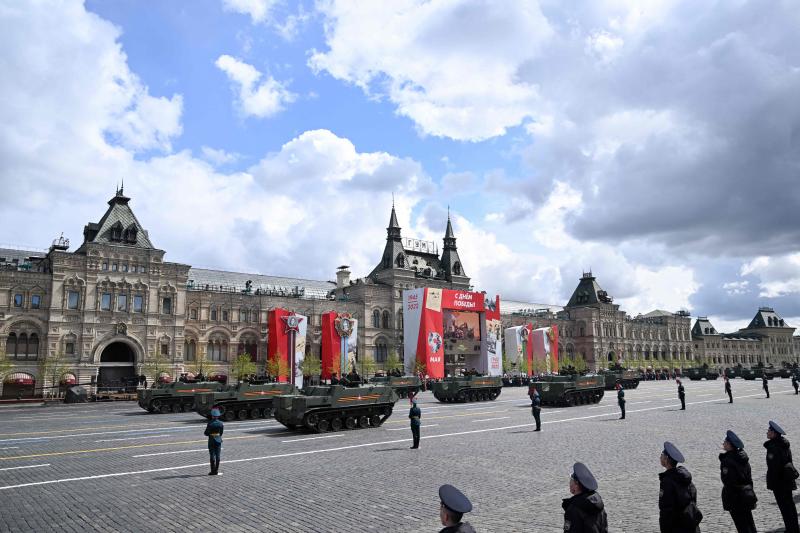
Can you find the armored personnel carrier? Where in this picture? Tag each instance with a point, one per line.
(628, 378)
(404, 386)
(758, 372)
(568, 390)
(174, 397)
(242, 401)
(333, 407)
(696, 374)
(468, 389)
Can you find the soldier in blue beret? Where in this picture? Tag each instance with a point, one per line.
(781, 475)
(738, 496)
(584, 511)
(677, 497)
(728, 390)
(214, 430)
(765, 384)
(621, 399)
(453, 507)
(681, 395)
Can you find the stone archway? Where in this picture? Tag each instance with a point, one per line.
(117, 364)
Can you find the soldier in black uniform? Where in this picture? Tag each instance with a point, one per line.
(738, 496)
(677, 497)
(681, 395)
(794, 382)
(728, 390)
(781, 475)
(621, 400)
(584, 511)
(453, 507)
(536, 409)
(765, 384)
(415, 414)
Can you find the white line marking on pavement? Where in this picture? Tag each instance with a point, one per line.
(488, 419)
(170, 453)
(709, 394)
(315, 438)
(327, 450)
(21, 467)
(10, 448)
(134, 438)
(406, 429)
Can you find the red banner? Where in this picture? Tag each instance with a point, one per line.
(331, 344)
(277, 340)
(430, 344)
(462, 300)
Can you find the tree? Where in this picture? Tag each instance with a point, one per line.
(310, 366)
(538, 366)
(53, 367)
(200, 365)
(367, 367)
(243, 366)
(333, 369)
(277, 367)
(5, 365)
(155, 365)
(506, 365)
(579, 363)
(393, 362)
(419, 367)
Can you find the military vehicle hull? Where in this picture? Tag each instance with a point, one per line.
(628, 378)
(468, 389)
(242, 401)
(334, 408)
(404, 386)
(696, 374)
(174, 397)
(758, 373)
(569, 390)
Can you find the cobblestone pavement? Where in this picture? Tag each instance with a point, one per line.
(113, 467)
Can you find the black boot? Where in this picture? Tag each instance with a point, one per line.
(213, 471)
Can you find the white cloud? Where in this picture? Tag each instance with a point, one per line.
(258, 10)
(262, 99)
(452, 67)
(218, 157)
(778, 276)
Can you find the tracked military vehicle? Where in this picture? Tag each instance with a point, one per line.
(696, 374)
(468, 389)
(242, 401)
(404, 386)
(323, 408)
(569, 389)
(174, 397)
(628, 378)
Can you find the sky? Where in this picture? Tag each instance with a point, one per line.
(656, 143)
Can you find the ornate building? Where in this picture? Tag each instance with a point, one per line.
(592, 326)
(767, 339)
(114, 303)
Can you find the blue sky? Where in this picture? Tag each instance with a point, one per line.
(653, 143)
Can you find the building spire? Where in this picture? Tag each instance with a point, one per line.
(393, 231)
(449, 236)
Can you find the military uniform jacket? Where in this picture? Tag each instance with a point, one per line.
(536, 402)
(621, 396)
(681, 392)
(781, 473)
(727, 386)
(214, 430)
(461, 527)
(765, 382)
(677, 502)
(415, 414)
(585, 513)
(737, 481)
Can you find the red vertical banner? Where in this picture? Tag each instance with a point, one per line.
(331, 344)
(277, 340)
(553, 334)
(430, 344)
(529, 347)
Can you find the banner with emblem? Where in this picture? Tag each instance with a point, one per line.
(545, 347)
(339, 344)
(519, 346)
(286, 340)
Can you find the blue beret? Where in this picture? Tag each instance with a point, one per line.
(673, 452)
(776, 428)
(215, 412)
(582, 475)
(734, 439)
(453, 499)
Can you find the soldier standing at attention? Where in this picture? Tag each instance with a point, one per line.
(677, 497)
(738, 496)
(584, 511)
(415, 414)
(765, 384)
(681, 395)
(536, 409)
(794, 383)
(214, 430)
(728, 390)
(621, 400)
(452, 508)
(781, 475)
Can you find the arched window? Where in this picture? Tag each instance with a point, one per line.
(400, 261)
(116, 232)
(22, 346)
(400, 319)
(376, 319)
(381, 351)
(249, 345)
(11, 345)
(457, 268)
(244, 316)
(33, 346)
(224, 315)
(385, 322)
(190, 350)
(213, 313)
(769, 321)
(130, 234)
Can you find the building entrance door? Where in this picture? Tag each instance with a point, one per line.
(117, 369)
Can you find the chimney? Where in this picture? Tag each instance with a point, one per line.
(342, 277)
